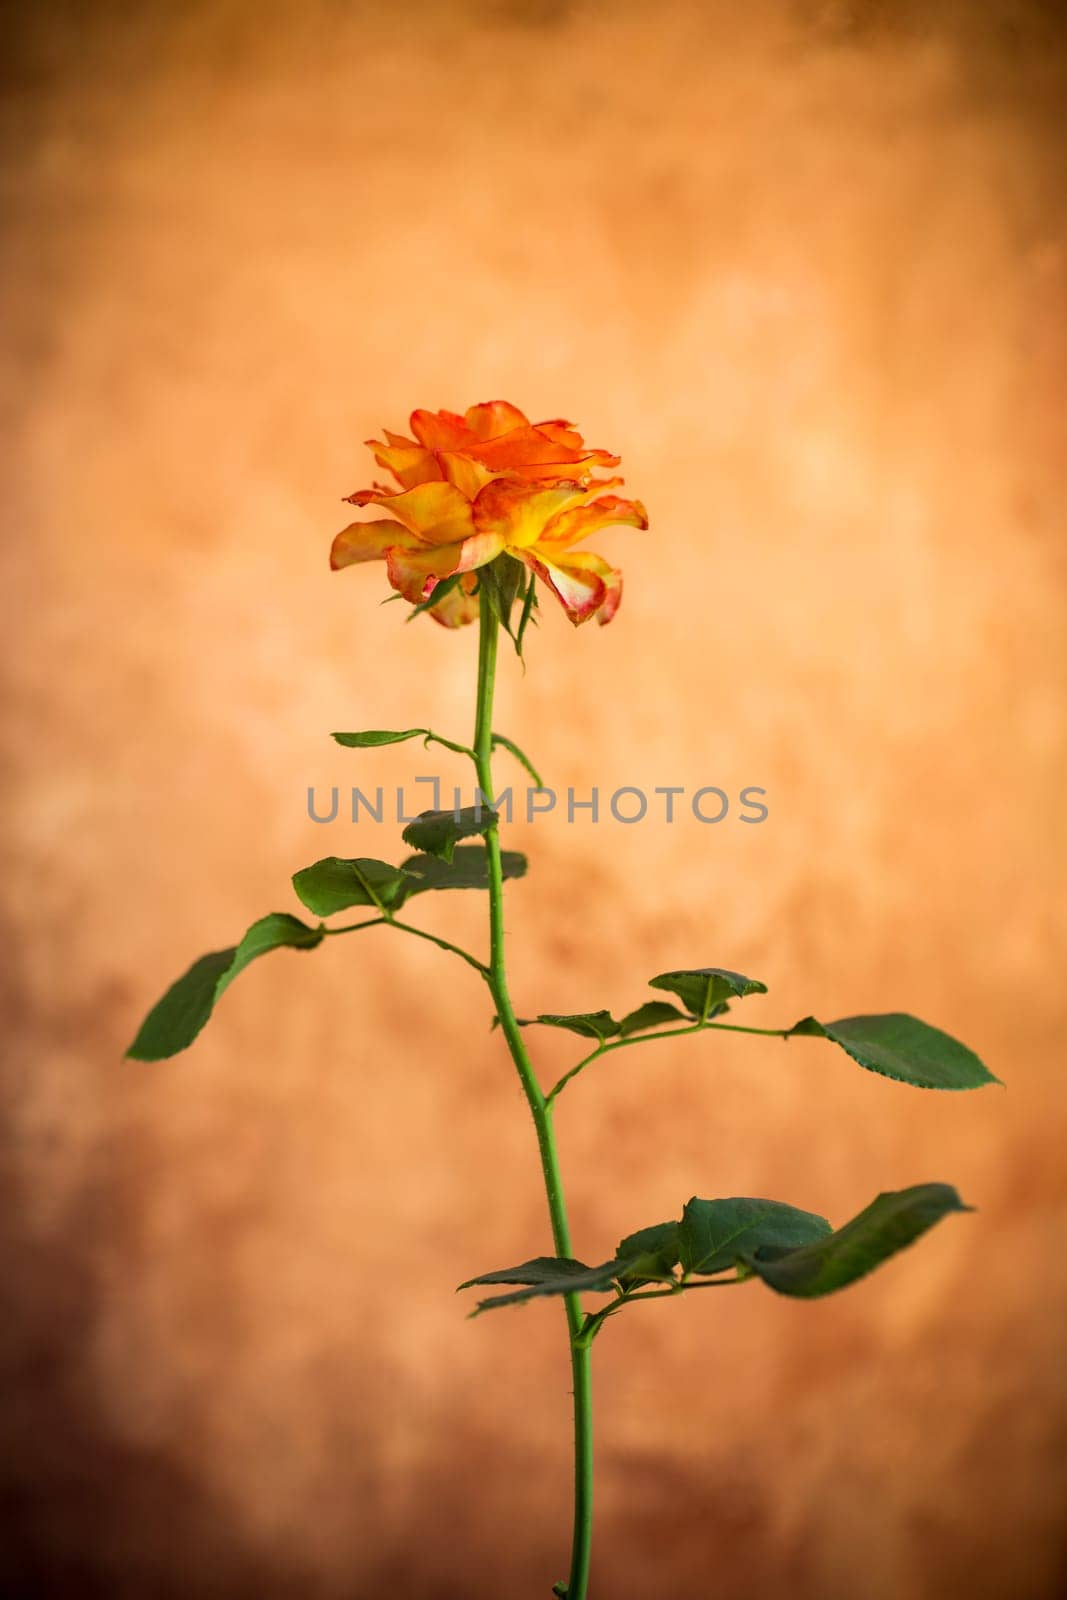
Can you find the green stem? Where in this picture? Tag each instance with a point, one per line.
(578, 1581)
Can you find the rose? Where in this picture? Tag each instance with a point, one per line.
(487, 484)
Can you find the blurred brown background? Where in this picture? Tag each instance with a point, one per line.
(804, 265)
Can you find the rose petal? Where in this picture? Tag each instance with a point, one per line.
(587, 561)
(521, 448)
(580, 585)
(441, 430)
(468, 476)
(577, 522)
(436, 513)
(520, 511)
(494, 417)
(414, 571)
(367, 541)
(534, 453)
(564, 433)
(613, 598)
(410, 464)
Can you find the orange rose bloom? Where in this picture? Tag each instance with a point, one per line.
(475, 486)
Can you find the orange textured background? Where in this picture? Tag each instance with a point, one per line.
(804, 265)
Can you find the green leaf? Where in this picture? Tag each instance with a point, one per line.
(795, 1252)
(335, 884)
(272, 932)
(529, 606)
(520, 756)
(715, 1234)
(510, 575)
(641, 1257)
(499, 582)
(174, 1022)
(602, 1025)
(650, 1015)
(590, 1024)
(436, 832)
(442, 587)
(891, 1222)
(649, 1255)
(700, 989)
(545, 1275)
(468, 869)
(373, 737)
(542, 1269)
(902, 1047)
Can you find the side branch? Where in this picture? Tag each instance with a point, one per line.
(608, 1045)
(386, 921)
(595, 1320)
